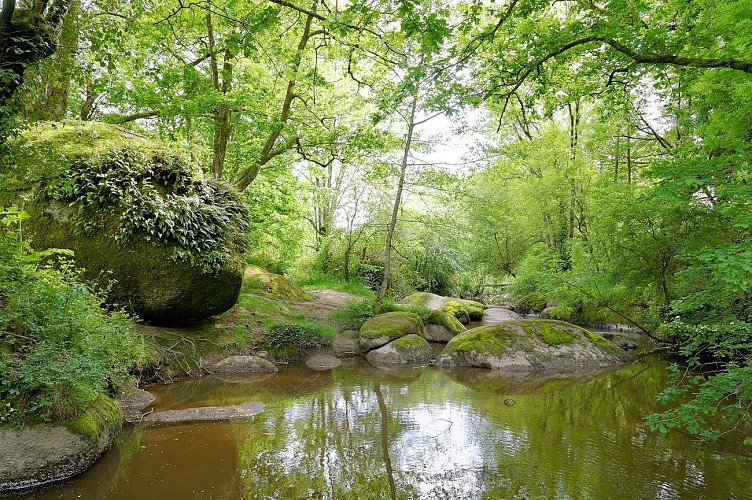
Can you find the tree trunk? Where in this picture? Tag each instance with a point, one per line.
(55, 102)
(395, 209)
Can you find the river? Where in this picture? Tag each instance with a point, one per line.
(361, 432)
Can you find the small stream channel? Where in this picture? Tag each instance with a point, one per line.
(361, 432)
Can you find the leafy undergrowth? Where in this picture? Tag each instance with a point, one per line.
(279, 323)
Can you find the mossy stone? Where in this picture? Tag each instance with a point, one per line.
(258, 278)
(533, 302)
(103, 417)
(491, 339)
(386, 327)
(454, 308)
(149, 275)
(530, 345)
(408, 349)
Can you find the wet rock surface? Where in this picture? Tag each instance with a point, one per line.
(244, 410)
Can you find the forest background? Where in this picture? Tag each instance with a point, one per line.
(611, 183)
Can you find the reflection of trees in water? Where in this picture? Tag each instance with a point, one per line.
(425, 435)
(330, 446)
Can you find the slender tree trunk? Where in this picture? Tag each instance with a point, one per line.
(56, 99)
(629, 161)
(395, 208)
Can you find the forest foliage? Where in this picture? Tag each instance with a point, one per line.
(611, 183)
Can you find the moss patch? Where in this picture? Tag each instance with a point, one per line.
(492, 339)
(410, 342)
(418, 299)
(474, 309)
(447, 321)
(454, 308)
(258, 279)
(392, 325)
(103, 415)
(600, 341)
(546, 332)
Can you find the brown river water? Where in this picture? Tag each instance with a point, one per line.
(358, 432)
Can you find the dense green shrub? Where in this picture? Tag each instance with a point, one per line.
(59, 350)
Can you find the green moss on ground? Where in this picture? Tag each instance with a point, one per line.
(258, 280)
(491, 339)
(392, 325)
(448, 321)
(103, 415)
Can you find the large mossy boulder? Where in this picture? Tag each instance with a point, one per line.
(43, 453)
(138, 215)
(384, 328)
(405, 350)
(529, 345)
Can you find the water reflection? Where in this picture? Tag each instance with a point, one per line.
(360, 432)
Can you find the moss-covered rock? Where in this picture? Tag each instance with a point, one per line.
(530, 345)
(404, 350)
(533, 302)
(457, 310)
(386, 327)
(137, 215)
(474, 309)
(442, 327)
(40, 454)
(257, 278)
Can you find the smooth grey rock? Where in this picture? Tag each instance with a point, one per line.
(234, 365)
(323, 362)
(133, 401)
(494, 315)
(346, 343)
(244, 410)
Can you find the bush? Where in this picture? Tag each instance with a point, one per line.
(354, 314)
(59, 350)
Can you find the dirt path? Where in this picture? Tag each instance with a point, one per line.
(323, 303)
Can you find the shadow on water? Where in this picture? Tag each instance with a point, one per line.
(363, 432)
